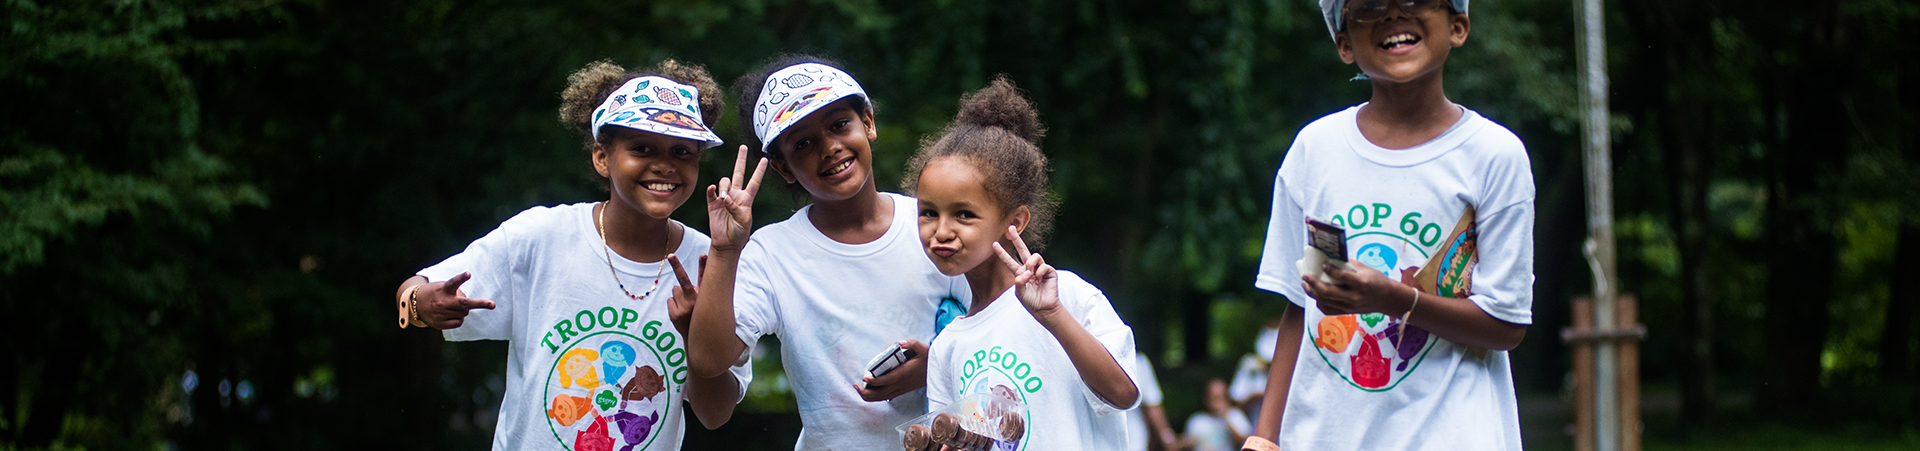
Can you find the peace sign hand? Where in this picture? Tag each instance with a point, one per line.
(685, 295)
(730, 205)
(1038, 284)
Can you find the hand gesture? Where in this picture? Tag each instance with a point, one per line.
(442, 306)
(1038, 285)
(730, 205)
(1357, 289)
(685, 295)
(909, 376)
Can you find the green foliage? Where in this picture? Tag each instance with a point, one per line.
(145, 139)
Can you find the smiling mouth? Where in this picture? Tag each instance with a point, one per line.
(664, 187)
(836, 169)
(1397, 40)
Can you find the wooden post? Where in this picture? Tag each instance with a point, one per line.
(1629, 374)
(1582, 376)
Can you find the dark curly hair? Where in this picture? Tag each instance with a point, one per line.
(589, 86)
(999, 132)
(747, 90)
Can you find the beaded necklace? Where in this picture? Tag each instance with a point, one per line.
(599, 224)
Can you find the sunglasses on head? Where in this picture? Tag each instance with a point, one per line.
(1369, 11)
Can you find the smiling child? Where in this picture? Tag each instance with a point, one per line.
(1406, 347)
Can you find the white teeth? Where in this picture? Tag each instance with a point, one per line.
(660, 186)
(841, 167)
(1397, 40)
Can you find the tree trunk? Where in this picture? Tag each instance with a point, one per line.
(1689, 166)
(1688, 160)
(1801, 271)
(1896, 339)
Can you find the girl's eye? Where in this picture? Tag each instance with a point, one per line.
(801, 144)
(840, 124)
(682, 151)
(930, 213)
(963, 214)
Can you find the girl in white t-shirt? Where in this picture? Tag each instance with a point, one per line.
(596, 357)
(840, 281)
(1045, 338)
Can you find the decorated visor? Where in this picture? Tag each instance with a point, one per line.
(796, 91)
(658, 105)
(1332, 10)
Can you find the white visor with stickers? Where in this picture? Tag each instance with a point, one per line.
(796, 91)
(1332, 9)
(657, 105)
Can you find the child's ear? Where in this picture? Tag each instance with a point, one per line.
(780, 167)
(1343, 44)
(873, 133)
(1458, 29)
(600, 159)
(1021, 217)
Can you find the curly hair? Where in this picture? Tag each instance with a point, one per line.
(747, 90)
(998, 132)
(589, 86)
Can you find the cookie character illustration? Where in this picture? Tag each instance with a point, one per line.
(1370, 365)
(568, 409)
(1336, 332)
(576, 368)
(595, 438)
(1378, 256)
(615, 357)
(1407, 345)
(634, 428)
(646, 383)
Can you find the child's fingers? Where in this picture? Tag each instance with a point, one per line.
(1018, 243)
(703, 265)
(471, 303)
(753, 185)
(1008, 259)
(452, 287)
(739, 167)
(679, 271)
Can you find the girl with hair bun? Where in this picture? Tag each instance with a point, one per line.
(1034, 334)
(562, 284)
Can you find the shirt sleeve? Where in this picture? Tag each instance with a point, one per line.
(1100, 320)
(1285, 242)
(498, 264)
(1146, 381)
(1503, 279)
(753, 312)
(939, 377)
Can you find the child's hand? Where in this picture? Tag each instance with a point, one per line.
(442, 305)
(1358, 289)
(1037, 282)
(730, 205)
(685, 295)
(909, 376)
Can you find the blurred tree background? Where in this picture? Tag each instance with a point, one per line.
(205, 205)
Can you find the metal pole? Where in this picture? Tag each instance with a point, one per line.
(1600, 245)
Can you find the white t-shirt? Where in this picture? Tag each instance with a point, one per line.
(1143, 378)
(1004, 351)
(1249, 379)
(835, 306)
(1357, 383)
(1209, 433)
(587, 367)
